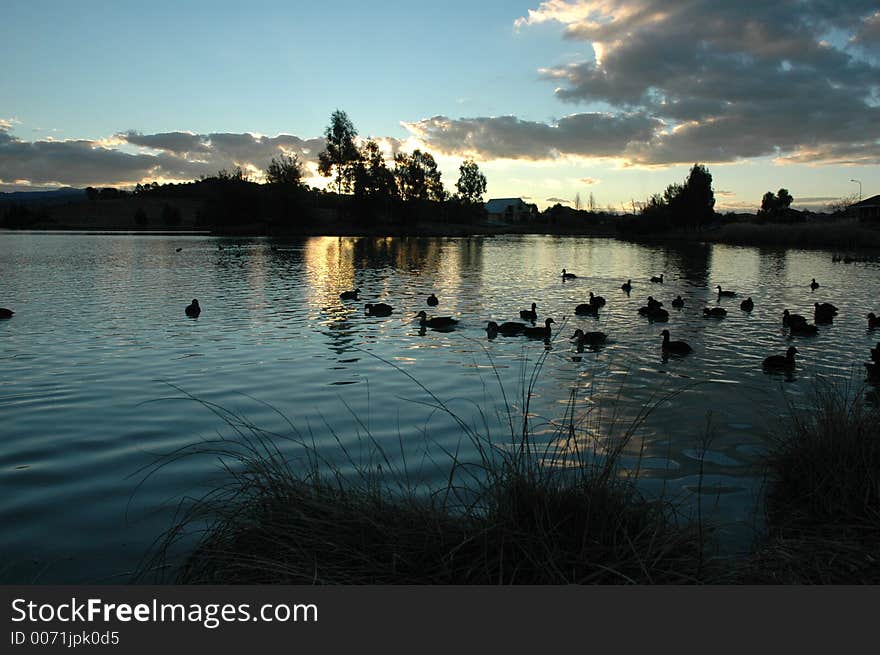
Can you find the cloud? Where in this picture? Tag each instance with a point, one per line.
(585, 135)
(165, 156)
(589, 181)
(728, 81)
(562, 200)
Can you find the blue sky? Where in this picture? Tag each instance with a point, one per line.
(766, 96)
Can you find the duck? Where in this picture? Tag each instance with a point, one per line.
(823, 317)
(826, 308)
(804, 329)
(350, 295)
(873, 320)
(378, 309)
(193, 310)
(588, 338)
(587, 309)
(725, 294)
(539, 332)
(674, 347)
(814, 285)
(432, 301)
(657, 278)
(508, 329)
(654, 304)
(790, 319)
(568, 276)
(678, 303)
(747, 305)
(657, 315)
(599, 301)
(529, 314)
(784, 362)
(6, 313)
(714, 312)
(875, 353)
(627, 286)
(442, 322)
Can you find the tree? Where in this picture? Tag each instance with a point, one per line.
(341, 153)
(374, 185)
(417, 177)
(684, 205)
(471, 183)
(577, 201)
(775, 205)
(591, 203)
(285, 170)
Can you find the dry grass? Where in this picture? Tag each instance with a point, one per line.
(849, 235)
(555, 512)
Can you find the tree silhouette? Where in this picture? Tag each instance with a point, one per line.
(285, 170)
(417, 177)
(686, 205)
(775, 205)
(471, 183)
(341, 153)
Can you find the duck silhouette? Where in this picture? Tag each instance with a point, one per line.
(814, 285)
(509, 329)
(568, 276)
(378, 309)
(657, 278)
(529, 314)
(599, 301)
(674, 347)
(6, 313)
(747, 305)
(627, 286)
(539, 332)
(725, 294)
(442, 322)
(678, 303)
(790, 319)
(781, 362)
(587, 309)
(193, 310)
(432, 301)
(350, 295)
(588, 339)
(714, 312)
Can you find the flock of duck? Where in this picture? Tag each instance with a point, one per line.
(823, 313)
(653, 310)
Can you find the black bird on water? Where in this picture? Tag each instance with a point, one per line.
(714, 312)
(432, 301)
(678, 303)
(509, 329)
(350, 295)
(568, 276)
(873, 321)
(529, 314)
(656, 278)
(539, 332)
(747, 305)
(627, 286)
(442, 322)
(588, 338)
(378, 309)
(193, 310)
(674, 347)
(587, 309)
(781, 362)
(725, 294)
(599, 301)
(814, 285)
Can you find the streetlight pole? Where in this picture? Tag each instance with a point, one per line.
(859, 182)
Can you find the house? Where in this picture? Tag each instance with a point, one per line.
(510, 210)
(868, 209)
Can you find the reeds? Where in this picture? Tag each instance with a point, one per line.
(834, 234)
(823, 495)
(555, 510)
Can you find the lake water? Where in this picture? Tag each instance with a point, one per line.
(99, 337)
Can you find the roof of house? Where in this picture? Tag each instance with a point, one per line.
(873, 201)
(498, 205)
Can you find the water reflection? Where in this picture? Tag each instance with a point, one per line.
(274, 330)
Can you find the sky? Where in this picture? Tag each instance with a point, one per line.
(613, 99)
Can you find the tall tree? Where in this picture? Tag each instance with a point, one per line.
(471, 183)
(341, 153)
(417, 177)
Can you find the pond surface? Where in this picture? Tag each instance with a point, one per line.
(99, 358)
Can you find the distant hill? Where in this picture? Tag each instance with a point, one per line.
(63, 194)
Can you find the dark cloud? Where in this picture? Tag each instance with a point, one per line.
(593, 134)
(728, 80)
(175, 155)
(562, 200)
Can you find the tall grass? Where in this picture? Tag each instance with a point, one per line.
(823, 495)
(523, 510)
(849, 235)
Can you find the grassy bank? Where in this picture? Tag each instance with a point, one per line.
(823, 496)
(844, 235)
(560, 511)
